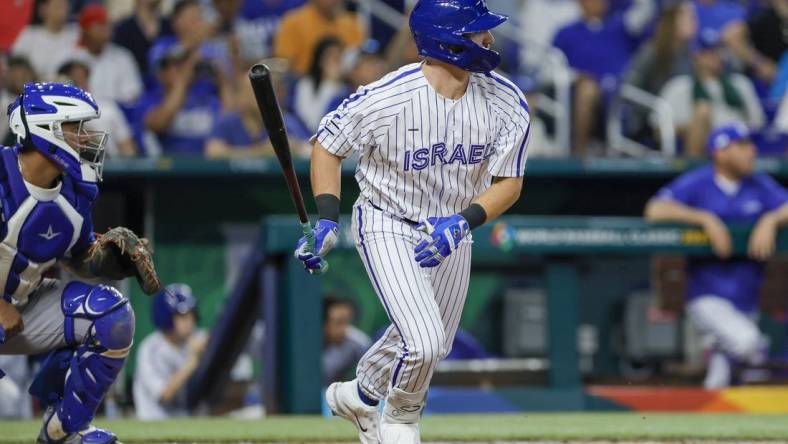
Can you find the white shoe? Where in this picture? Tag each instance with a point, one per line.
(399, 423)
(399, 433)
(718, 372)
(343, 399)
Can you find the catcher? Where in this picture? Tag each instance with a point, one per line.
(48, 184)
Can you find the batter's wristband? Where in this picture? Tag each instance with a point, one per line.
(328, 207)
(474, 215)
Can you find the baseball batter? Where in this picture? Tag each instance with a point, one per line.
(442, 150)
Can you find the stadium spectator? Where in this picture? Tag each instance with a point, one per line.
(225, 35)
(710, 97)
(258, 23)
(668, 54)
(18, 71)
(540, 20)
(46, 45)
(169, 356)
(120, 142)
(766, 30)
(314, 91)
(138, 32)
(14, 16)
(302, 29)
(192, 34)
(727, 19)
(182, 109)
(599, 71)
(723, 291)
(368, 66)
(402, 48)
(239, 134)
(343, 344)
(113, 72)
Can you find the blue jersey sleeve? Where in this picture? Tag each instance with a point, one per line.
(773, 195)
(681, 190)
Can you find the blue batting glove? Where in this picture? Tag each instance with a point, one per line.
(326, 234)
(446, 233)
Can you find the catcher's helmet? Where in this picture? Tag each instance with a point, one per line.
(172, 300)
(36, 118)
(440, 27)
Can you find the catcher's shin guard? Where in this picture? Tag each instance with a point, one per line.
(97, 361)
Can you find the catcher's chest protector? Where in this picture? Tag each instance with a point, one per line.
(38, 227)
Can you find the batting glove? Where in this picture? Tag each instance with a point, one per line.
(446, 234)
(326, 233)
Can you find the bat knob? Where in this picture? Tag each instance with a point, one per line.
(259, 71)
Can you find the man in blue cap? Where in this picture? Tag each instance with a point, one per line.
(722, 296)
(169, 356)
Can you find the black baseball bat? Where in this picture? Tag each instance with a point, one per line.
(267, 103)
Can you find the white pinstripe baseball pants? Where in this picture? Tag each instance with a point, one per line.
(424, 305)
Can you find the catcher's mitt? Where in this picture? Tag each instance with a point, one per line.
(119, 253)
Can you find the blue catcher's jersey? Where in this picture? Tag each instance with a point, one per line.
(38, 226)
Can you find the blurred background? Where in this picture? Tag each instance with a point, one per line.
(563, 313)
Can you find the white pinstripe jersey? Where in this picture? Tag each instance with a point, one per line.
(421, 154)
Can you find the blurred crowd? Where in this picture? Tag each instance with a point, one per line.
(707, 62)
(170, 75)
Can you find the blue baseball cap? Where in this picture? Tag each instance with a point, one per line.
(725, 135)
(706, 39)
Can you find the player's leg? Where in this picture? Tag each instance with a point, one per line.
(374, 368)
(736, 336)
(450, 286)
(405, 359)
(450, 283)
(89, 330)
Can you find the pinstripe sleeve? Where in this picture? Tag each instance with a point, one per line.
(340, 132)
(511, 147)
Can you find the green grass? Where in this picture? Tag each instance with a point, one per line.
(576, 426)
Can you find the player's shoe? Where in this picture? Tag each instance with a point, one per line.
(91, 435)
(343, 399)
(399, 423)
(399, 433)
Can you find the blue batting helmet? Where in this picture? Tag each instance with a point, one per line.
(440, 29)
(36, 118)
(172, 300)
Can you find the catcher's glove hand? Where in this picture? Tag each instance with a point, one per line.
(119, 253)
